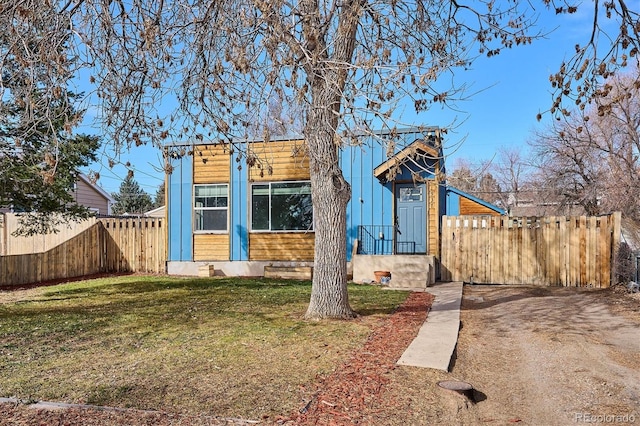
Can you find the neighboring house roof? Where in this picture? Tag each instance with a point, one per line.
(85, 195)
(92, 196)
(476, 200)
(157, 212)
(537, 203)
(547, 209)
(97, 188)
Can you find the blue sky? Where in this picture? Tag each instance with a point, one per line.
(513, 88)
(510, 89)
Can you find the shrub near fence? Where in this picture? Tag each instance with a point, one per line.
(557, 251)
(114, 245)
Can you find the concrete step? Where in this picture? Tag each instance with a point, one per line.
(411, 275)
(406, 270)
(411, 279)
(404, 281)
(407, 284)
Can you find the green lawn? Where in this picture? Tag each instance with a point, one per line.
(230, 347)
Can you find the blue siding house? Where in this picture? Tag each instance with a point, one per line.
(247, 206)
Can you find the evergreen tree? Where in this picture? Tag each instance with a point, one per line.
(39, 168)
(39, 153)
(131, 199)
(158, 200)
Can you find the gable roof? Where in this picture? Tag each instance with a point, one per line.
(96, 188)
(419, 146)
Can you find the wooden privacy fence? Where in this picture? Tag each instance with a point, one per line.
(112, 245)
(135, 245)
(10, 244)
(557, 251)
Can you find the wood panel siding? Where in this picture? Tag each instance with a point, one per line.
(433, 219)
(286, 246)
(211, 164)
(289, 272)
(472, 208)
(279, 161)
(210, 247)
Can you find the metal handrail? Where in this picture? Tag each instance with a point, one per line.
(375, 239)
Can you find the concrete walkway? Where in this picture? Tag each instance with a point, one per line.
(437, 338)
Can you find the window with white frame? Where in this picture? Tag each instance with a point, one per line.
(281, 206)
(210, 207)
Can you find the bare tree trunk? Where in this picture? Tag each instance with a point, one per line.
(330, 192)
(329, 189)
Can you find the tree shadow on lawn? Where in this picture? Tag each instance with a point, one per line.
(275, 292)
(158, 296)
(130, 326)
(154, 284)
(167, 303)
(51, 283)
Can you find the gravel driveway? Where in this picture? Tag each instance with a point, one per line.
(552, 356)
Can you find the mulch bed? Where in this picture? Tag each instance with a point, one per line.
(353, 393)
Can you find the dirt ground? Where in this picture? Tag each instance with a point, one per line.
(535, 356)
(551, 356)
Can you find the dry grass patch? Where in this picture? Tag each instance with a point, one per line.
(226, 347)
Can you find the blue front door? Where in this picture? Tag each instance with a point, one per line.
(411, 218)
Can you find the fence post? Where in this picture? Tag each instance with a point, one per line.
(3, 234)
(615, 245)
